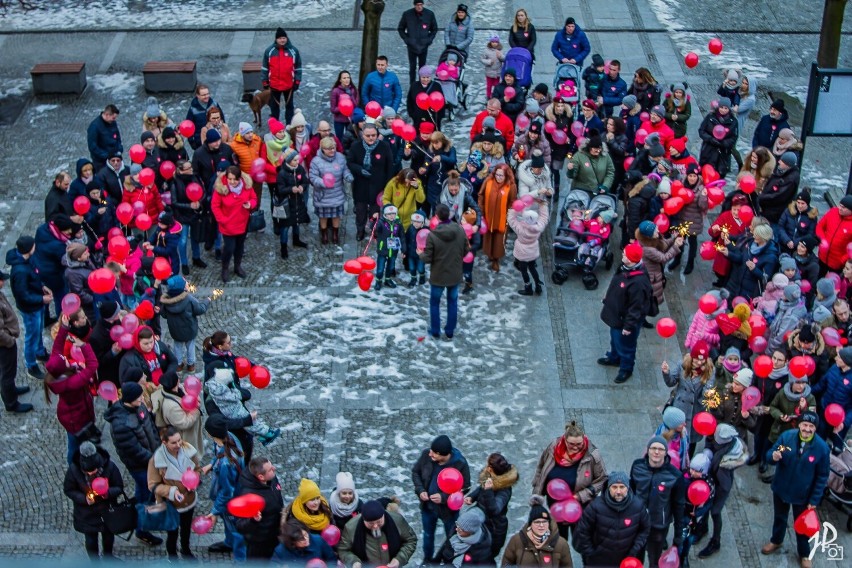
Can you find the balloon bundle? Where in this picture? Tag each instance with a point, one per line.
(566, 509)
(714, 46)
(258, 375)
(363, 266)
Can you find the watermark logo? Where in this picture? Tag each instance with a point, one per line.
(825, 543)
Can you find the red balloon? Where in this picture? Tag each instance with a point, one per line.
(834, 414)
(190, 478)
(631, 562)
(144, 311)
(147, 176)
(119, 248)
(192, 385)
(704, 423)
(707, 250)
(367, 262)
(259, 376)
(100, 485)
(346, 106)
(409, 133)
(187, 128)
(666, 327)
(143, 221)
(373, 109)
(162, 268)
(691, 59)
(242, 366)
(662, 222)
(331, 534)
(640, 136)
(677, 186)
(189, 403)
(747, 183)
(455, 501)
(107, 391)
(352, 267)
(82, 205)
(397, 125)
(450, 480)
(708, 304)
(672, 205)
(698, 492)
(124, 213)
(758, 325)
(202, 524)
(719, 132)
(137, 153)
(101, 281)
(365, 280)
(715, 46)
(709, 174)
(559, 490)
(627, 161)
(746, 214)
(167, 169)
(807, 523)
(422, 101)
(246, 506)
(194, 192)
(436, 101)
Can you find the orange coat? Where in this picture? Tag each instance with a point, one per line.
(246, 152)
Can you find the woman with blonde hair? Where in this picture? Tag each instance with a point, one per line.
(498, 193)
(690, 384)
(522, 32)
(309, 507)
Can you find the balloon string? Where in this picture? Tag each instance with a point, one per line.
(372, 234)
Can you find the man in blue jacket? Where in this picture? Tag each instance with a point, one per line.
(802, 465)
(835, 387)
(613, 89)
(31, 295)
(571, 44)
(770, 125)
(103, 137)
(382, 86)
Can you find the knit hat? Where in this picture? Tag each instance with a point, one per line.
(846, 201)
(733, 352)
(825, 287)
(535, 126)
(700, 463)
(659, 111)
(656, 150)
(780, 281)
(744, 377)
(673, 417)
(442, 445)
(532, 107)
(280, 33)
(371, 511)
(594, 142)
(169, 380)
(245, 128)
(809, 416)
(217, 425)
(388, 113)
(647, 228)
(147, 135)
(169, 132)
(665, 186)
(693, 169)
(657, 440)
(308, 490)
(529, 216)
(778, 104)
(357, 116)
(792, 292)
(418, 217)
(475, 159)
(810, 241)
(537, 160)
(176, 284)
(298, 119)
(452, 57)
(821, 313)
(24, 244)
(805, 196)
(130, 392)
(679, 144)
(344, 480)
(489, 122)
(212, 136)
(846, 355)
(541, 88)
(90, 460)
(723, 102)
(538, 509)
(289, 154)
(806, 334)
(724, 433)
(510, 71)
(426, 128)
(426, 71)
(607, 216)
(732, 75)
(389, 209)
(629, 101)
(75, 250)
(135, 169)
(618, 477)
(471, 520)
(63, 222)
(633, 252)
(787, 262)
(789, 158)
(678, 87)
(109, 309)
(275, 125)
(700, 349)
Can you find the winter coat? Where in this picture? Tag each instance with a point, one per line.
(612, 92)
(664, 505)
(520, 551)
(492, 61)
(530, 183)
(133, 361)
(77, 280)
(149, 197)
(836, 230)
(591, 473)
(459, 34)
(197, 113)
(835, 387)
(334, 99)
(736, 228)
(592, 173)
(746, 282)
(503, 124)
(181, 313)
(184, 214)
(794, 226)
(593, 81)
(729, 412)
(436, 173)
(779, 191)
(606, 536)
(171, 153)
(665, 133)
(558, 152)
(694, 211)
(229, 401)
(647, 96)
(515, 105)
(527, 241)
(377, 550)
(264, 531)
(388, 234)
(369, 183)
(26, 282)
(336, 166)
(281, 67)
(229, 208)
(112, 181)
(786, 403)
(134, 435)
(383, 88)
(246, 152)
(627, 298)
(78, 186)
(76, 408)
(800, 478)
(717, 153)
(688, 394)
(575, 46)
(424, 475)
(169, 412)
(683, 112)
(638, 207)
(206, 162)
(458, 207)
(446, 245)
(166, 244)
(703, 327)
(101, 344)
(103, 139)
(479, 554)
(288, 178)
(542, 145)
(77, 485)
(417, 30)
(405, 198)
(10, 330)
(50, 250)
(317, 549)
(787, 318)
(224, 476)
(57, 201)
(494, 503)
(165, 489)
(656, 253)
(766, 131)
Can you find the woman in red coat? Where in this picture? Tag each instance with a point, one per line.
(835, 233)
(147, 197)
(735, 229)
(233, 201)
(71, 375)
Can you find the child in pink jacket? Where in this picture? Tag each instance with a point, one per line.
(528, 227)
(704, 326)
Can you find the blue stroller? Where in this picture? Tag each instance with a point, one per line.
(519, 59)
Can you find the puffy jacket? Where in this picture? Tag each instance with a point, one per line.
(266, 529)
(459, 34)
(383, 88)
(228, 207)
(78, 485)
(112, 181)
(684, 113)
(702, 327)
(575, 46)
(836, 388)
(101, 344)
(555, 553)
(425, 472)
(715, 152)
(76, 408)
(494, 503)
(779, 191)
(104, 139)
(526, 243)
(800, 478)
(206, 162)
(746, 282)
(647, 95)
(405, 198)
(530, 183)
(417, 30)
(57, 201)
(336, 166)
(26, 282)
(795, 225)
(317, 549)
(479, 553)
(149, 197)
(246, 152)
(181, 313)
(50, 250)
(664, 505)
(592, 173)
(627, 298)
(542, 145)
(662, 129)
(786, 319)
(836, 230)
(133, 360)
(767, 130)
(78, 186)
(134, 435)
(605, 535)
(445, 248)
(613, 91)
(281, 67)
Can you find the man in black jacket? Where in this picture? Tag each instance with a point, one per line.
(662, 488)
(106, 350)
(370, 162)
(625, 306)
(111, 177)
(261, 531)
(58, 199)
(207, 159)
(31, 296)
(780, 188)
(10, 330)
(417, 28)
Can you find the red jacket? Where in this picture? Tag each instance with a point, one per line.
(228, 208)
(837, 232)
(152, 203)
(661, 128)
(281, 67)
(721, 264)
(503, 123)
(76, 406)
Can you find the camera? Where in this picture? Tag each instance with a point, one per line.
(833, 551)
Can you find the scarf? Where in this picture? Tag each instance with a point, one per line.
(618, 506)
(780, 146)
(218, 352)
(236, 190)
(152, 361)
(57, 233)
(275, 148)
(368, 149)
(731, 366)
(781, 373)
(359, 539)
(454, 202)
(314, 521)
(563, 458)
(461, 544)
(755, 248)
(339, 508)
(86, 180)
(496, 206)
(795, 397)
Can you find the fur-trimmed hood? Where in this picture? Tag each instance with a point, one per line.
(162, 143)
(813, 212)
(504, 481)
(819, 342)
(639, 186)
(497, 152)
(551, 116)
(221, 186)
(166, 299)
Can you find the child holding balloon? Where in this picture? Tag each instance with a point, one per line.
(416, 267)
(388, 234)
(229, 401)
(528, 226)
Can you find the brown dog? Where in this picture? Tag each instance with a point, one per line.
(256, 101)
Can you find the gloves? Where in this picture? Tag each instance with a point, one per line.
(296, 85)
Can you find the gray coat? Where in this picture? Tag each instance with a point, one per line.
(181, 313)
(459, 35)
(688, 394)
(336, 165)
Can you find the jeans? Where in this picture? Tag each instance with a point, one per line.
(385, 266)
(185, 235)
(185, 351)
(142, 493)
(285, 233)
(429, 520)
(73, 446)
(275, 104)
(184, 531)
(779, 525)
(233, 246)
(339, 129)
(234, 539)
(92, 543)
(415, 265)
(415, 62)
(435, 311)
(622, 348)
(33, 340)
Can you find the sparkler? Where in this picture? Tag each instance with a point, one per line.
(217, 293)
(711, 399)
(719, 246)
(683, 229)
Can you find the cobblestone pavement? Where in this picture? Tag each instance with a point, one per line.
(355, 385)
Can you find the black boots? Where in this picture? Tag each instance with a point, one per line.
(712, 548)
(324, 235)
(526, 290)
(284, 253)
(335, 236)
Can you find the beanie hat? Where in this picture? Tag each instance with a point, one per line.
(778, 104)
(25, 244)
(529, 216)
(678, 87)
(176, 284)
(825, 287)
(147, 135)
(75, 250)
(732, 75)
(618, 477)
(245, 128)
(607, 216)
(665, 186)
(388, 113)
(471, 520)
(792, 292)
(744, 377)
(426, 128)
(90, 460)
(629, 101)
(442, 445)
(658, 110)
(846, 355)
(344, 480)
(358, 116)
(418, 217)
(821, 314)
(212, 136)
(647, 228)
(169, 132)
(804, 196)
(700, 463)
(135, 169)
(657, 440)
(724, 433)
(308, 490)
(780, 281)
(489, 122)
(280, 33)
(289, 154)
(787, 262)
(109, 309)
(679, 144)
(806, 334)
(700, 349)
(538, 509)
(809, 416)
(733, 352)
(275, 125)
(130, 392)
(389, 209)
(570, 20)
(594, 142)
(723, 102)
(298, 119)
(673, 417)
(656, 150)
(371, 510)
(810, 241)
(532, 106)
(426, 71)
(633, 252)
(692, 168)
(475, 159)
(537, 160)
(63, 222)
(535, 126)
(510, 71)
(541, 88)
(789, 158)
(169, 380)
(217, 425)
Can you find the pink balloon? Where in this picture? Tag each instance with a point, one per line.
(130, 323)
(192, 385)
(528, 199)
(468, 229)
(421, 237)
(483, 227)
(328, 180)
(559, 137)
(443, 75)
(100, 485)
(644, 116)
(567, 511)
(202, 524)
(77, 354)
(304, 151)
(257, 165)
(468, 257)
(750, 398)
(549, 126)
(737, 301)
(670, 558)
(719, 132)
(758, 344)
(577, 128)
(259, 177)
(509, 92)
(115, 332)
(805, 286)
(522, 122)
(331, 534)
(138, 207)
(190, 479)
(518, 205)
(379, 199)
(455, 501)
(107, 391)
(640, 136)
(831, 336)
(125, 341)
(834, 277)
(559, 490)
(70, 304)
(189, 402)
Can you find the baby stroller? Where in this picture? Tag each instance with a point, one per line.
(519, 59)
(839, 491)
(566, 83)
(455, 90)
(580, 240)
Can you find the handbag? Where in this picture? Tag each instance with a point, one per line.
(257, 221)
(121, 517)
(155, 516)
(281, 211)
(89, 433)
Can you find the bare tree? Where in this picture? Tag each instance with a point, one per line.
(370, 36)
(829, 37)
(25, 5)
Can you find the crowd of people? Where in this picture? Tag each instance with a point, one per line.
(776, 321)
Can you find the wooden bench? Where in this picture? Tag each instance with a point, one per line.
(170, 76)
(59, 78)
(251, 76)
